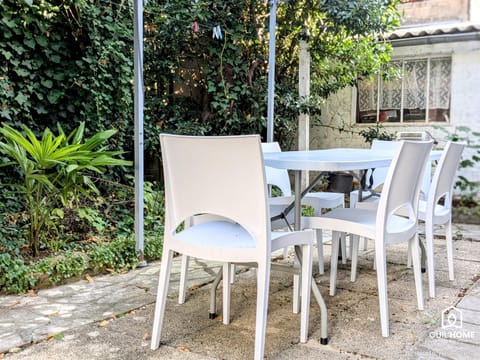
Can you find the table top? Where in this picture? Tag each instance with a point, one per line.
(338, 159)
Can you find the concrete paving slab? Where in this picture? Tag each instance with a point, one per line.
(111, 317)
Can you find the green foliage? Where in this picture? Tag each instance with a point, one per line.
(114, 256)
(67, 62)
(14, 275)
(196, 84)
(93, 217)
(71, 61)
(35, 63)
(154, 210)
(53, 168)
(343, 38)
(153, 247)
(61, 267)
(119, 254)
(376, 131)
(470, 157)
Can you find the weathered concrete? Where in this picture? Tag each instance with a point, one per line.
(111, 316)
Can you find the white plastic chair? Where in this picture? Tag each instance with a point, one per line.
(378, 176)
(280, 179)
(317, 200)
(437, 209)
(216, 165)
(401, 190)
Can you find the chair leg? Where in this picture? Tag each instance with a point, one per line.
(321, 265)
(182, 287)
(297, 281)
(263, 281)
(343, 241)
(448, 236)
(409, 255)
(227, 268)
(334, 262)
(381, 263)
(213, 295)
(306, 291)
(350, 246)
(162, 291)
(232, 274)
(417, 271)
(354, 255)
(430, 258)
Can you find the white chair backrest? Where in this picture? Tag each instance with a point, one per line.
(380, 174)
(277, 177)
(401, 189)
(200, 173)
(444, 176)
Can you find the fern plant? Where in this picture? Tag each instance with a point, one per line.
(55, 169)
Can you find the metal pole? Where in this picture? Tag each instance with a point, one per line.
(138, 110)
(271, 69)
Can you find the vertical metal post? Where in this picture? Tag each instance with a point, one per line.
(271, 69)
(138, 110)
(303, 92)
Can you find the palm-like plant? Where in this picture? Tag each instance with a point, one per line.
(55, 168)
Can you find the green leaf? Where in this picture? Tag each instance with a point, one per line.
(21, 72)
(42, 41)
(7, 54)
(47, 83)
(58, 212)
(30, 43)
(54, 96)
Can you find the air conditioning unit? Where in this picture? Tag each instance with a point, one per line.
(414, 135)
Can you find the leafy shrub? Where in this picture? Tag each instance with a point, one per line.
(119, 254)
(470, 157)
(154, 247)
(54, 270)
(15, 276)
(376, 131)
(54, 168)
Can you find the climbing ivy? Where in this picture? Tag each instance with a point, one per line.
(71, 61)
(67, 62)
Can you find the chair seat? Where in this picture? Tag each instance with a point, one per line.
(370, 202)
(362, 222)
(324, 200)
(217, 234)
(441, 214)
(225, 234)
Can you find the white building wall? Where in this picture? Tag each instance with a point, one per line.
(474, 11)
(339, 109)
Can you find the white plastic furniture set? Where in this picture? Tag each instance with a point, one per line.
(242, 233)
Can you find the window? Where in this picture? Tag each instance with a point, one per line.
(422, 95)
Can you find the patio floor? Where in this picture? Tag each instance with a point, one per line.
(110, 317)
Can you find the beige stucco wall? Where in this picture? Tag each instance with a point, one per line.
(428, 11)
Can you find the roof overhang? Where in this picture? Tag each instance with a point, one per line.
(434, 34)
